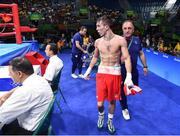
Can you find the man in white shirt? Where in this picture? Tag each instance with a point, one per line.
(55, 63)
(23, 107)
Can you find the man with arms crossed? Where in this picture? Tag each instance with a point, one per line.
(108, 79)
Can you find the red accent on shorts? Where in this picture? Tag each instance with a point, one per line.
(108, 87)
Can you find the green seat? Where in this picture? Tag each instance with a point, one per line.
(44, 127)
(56, 88)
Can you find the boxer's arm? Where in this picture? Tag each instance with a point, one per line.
(125, 55)
(93, 62)
(127, 60)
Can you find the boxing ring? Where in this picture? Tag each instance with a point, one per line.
(9, 51)
(11, 20)
(20, 48)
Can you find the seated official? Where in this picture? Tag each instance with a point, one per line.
(23, 107)
(55, 63)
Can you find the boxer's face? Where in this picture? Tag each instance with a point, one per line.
(101, 28)
(128, 29)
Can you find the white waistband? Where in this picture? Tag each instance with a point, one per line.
(113, 70)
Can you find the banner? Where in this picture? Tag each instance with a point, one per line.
(163, 65)
(35, 16)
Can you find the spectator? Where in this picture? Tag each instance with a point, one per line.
(177, 49)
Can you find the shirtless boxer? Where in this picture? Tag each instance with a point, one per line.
(109, 48)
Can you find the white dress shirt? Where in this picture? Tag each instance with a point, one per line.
(53, 68)
(28, 103)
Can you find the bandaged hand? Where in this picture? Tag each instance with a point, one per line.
(128, 80)
(132, 90)
(86, 74)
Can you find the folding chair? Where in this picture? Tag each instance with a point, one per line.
(56, 88)
(44, 127)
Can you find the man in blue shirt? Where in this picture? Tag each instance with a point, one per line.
(135, 51)
(77, 51)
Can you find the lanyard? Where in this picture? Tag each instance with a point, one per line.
(130, 43)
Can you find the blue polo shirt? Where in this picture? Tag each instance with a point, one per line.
(77, 37)
(134, 47)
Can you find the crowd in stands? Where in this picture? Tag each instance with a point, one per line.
(50, 12)
(63, 13)
(67, 13)
(96, 12)
(162, 45)
(145, 7)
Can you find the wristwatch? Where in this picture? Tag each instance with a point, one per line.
(145, 67)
